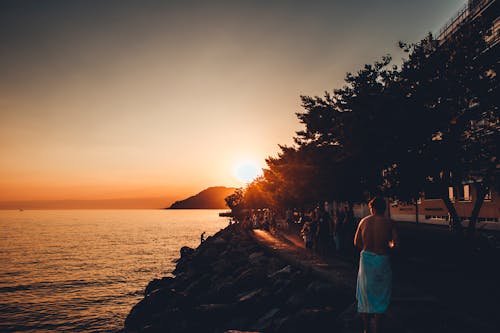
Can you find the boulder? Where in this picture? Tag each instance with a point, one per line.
(156, 301)
(186, 251)
(249, 296)
(162, 283)
(265, 322)
(285, 271)
(220, 242)
(250, 278)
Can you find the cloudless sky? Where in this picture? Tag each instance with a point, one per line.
(161, 99)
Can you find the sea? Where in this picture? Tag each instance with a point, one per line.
(83, 270)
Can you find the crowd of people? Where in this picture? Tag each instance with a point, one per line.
(261, 219)
(327, 231)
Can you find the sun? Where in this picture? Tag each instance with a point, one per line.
(247, 171)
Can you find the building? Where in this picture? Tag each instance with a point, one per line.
(473, 10)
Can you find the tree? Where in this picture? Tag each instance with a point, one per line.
(256, 195)
(354, 120)
(235, 200)
(453, 85)
(429, 125)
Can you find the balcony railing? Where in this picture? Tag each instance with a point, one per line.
(468, 11)
(454, 22)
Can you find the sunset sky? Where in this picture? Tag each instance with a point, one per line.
(161, 99)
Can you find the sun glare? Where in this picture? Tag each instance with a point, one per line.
(247, 171)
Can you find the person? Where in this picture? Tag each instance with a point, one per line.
(307, 235)
(323, 231)
(349, 229)
(338, 233)
(306, 219)
(375, 235)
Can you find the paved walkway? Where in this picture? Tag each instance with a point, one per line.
(412, 309)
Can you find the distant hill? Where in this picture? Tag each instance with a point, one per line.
(210, 198)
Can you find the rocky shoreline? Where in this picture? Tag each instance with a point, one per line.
(231, 282)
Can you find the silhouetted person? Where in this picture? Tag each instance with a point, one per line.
(349, 229)
(374, 236)
(307, 235)
(323, 231)
(339, 230)
(202, 236)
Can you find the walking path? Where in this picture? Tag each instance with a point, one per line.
(412, 309)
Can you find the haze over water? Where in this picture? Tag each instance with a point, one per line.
(83, 270)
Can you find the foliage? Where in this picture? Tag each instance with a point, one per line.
(235, 201)
(433, 123)
(453, 86)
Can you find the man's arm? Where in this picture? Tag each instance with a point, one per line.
(358, 238)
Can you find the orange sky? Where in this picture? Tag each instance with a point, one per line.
(144, 99)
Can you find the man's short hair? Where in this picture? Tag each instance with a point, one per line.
(377, 204)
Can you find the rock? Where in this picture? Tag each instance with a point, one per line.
(248, 296)
(222, 267)
(157, 301)
(162, 283)
(186, 251)
(198, 285)
(250, 278)
(307, 320)
(296, 300)
(266, 321)
(219, 242)
(229, 284)
(287, 270)
(187, 254)
(254, 302)
(256, 258)
(213, 313)
(209, 253)
(239, 321)
(224, 291)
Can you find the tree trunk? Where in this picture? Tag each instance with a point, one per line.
(481, 191)
(455, 223)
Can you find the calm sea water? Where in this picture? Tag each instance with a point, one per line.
(83, 270)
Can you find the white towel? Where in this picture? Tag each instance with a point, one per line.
(373, 290)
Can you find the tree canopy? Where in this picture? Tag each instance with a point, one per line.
(399, 131)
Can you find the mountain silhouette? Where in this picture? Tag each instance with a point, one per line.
(210, 198)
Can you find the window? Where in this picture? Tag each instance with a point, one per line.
(451, 193)
(460, 193)
(465, 195)
(488, 195)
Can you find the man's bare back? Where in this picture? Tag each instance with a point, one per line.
(376, 234)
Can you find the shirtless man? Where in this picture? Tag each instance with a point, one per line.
(374, 236)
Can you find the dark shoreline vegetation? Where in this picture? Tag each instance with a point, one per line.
(230, 282)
